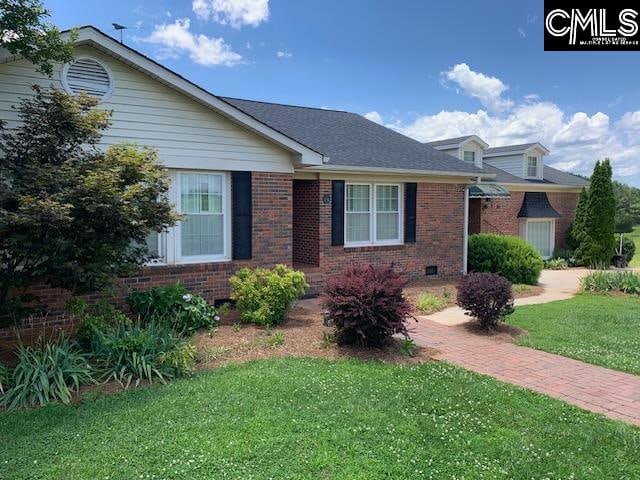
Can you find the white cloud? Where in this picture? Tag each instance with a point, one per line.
(522, 33)
(374, 117)
(176, 38)
(487, 89)
(576, 140)
(236, 13)
(284, 54)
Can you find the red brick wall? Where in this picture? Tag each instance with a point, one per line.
(439, 234)
(565, 204)
(272, 244)
(501, 215)
(475, 215)
(306, 218)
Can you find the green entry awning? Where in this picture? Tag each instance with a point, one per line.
(488, 190)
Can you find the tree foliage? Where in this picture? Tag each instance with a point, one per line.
(24, 31)
(627, 204)
(597, 240)
(576, 229)
(72, 215)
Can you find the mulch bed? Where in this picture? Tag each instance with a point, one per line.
(304, 336)
(503, 332)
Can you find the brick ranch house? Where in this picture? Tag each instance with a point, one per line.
(261, 183)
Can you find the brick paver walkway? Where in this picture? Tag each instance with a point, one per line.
(614, 394)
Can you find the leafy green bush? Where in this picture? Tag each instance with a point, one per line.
(184, 312)
(556, 264)
(46, 373)
(628, 248)
(264, 296)
(626, 281)
(505, 255)
(141, 351)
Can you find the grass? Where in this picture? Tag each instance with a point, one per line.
(635, 236)
(599, 329)
(298, 419)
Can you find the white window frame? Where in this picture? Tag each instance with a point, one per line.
(526, 166)
(472, 152)
(552, 232)
(226, 211)
(372, 215)
(162, 250)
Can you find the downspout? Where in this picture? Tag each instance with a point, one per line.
(465, 231)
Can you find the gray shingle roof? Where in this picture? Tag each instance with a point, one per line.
(448, 141)
(508, 148)
(351, 140)
(551, 176)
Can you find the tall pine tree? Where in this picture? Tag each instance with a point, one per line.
(597, 244)
(576, 229)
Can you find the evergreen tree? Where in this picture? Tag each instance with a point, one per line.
(576, 229)
(597, 244)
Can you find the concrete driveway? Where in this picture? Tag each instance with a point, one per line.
(557, 284)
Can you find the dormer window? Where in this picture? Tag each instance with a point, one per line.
(532, 167)
(470, 157)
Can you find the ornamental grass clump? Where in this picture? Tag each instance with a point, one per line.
(46, 373)
(603, 281)
(366, 305)
(487, 297)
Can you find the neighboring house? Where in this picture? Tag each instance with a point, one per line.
(260, 183)
(524, 197)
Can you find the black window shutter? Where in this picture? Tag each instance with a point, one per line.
(241, 224)
(337, 212)
(410, 212)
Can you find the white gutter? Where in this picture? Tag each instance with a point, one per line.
(465, 231)
(328, 168)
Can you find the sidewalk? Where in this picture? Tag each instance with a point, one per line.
(558, 285)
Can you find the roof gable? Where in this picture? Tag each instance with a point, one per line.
(89, 35)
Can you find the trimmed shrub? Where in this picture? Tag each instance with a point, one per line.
(486, 297)
(556, 264)
(137, 351)
(185, 313)
(47, 373)
(366, 305)
(603, 281)
(264, 296)
(505, 255)
(628, 248)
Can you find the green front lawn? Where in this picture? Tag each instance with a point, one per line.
(635, 236)
(319, 419)
(599, 329)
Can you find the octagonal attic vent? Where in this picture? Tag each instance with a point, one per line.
(86, 74)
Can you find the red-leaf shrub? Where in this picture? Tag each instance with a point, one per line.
(485, 296)
(366, 306)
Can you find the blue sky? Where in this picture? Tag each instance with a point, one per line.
(428, 69)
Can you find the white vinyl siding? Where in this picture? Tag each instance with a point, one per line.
(186, 133)
(509, 163)
(373, 214)
(540, 233)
